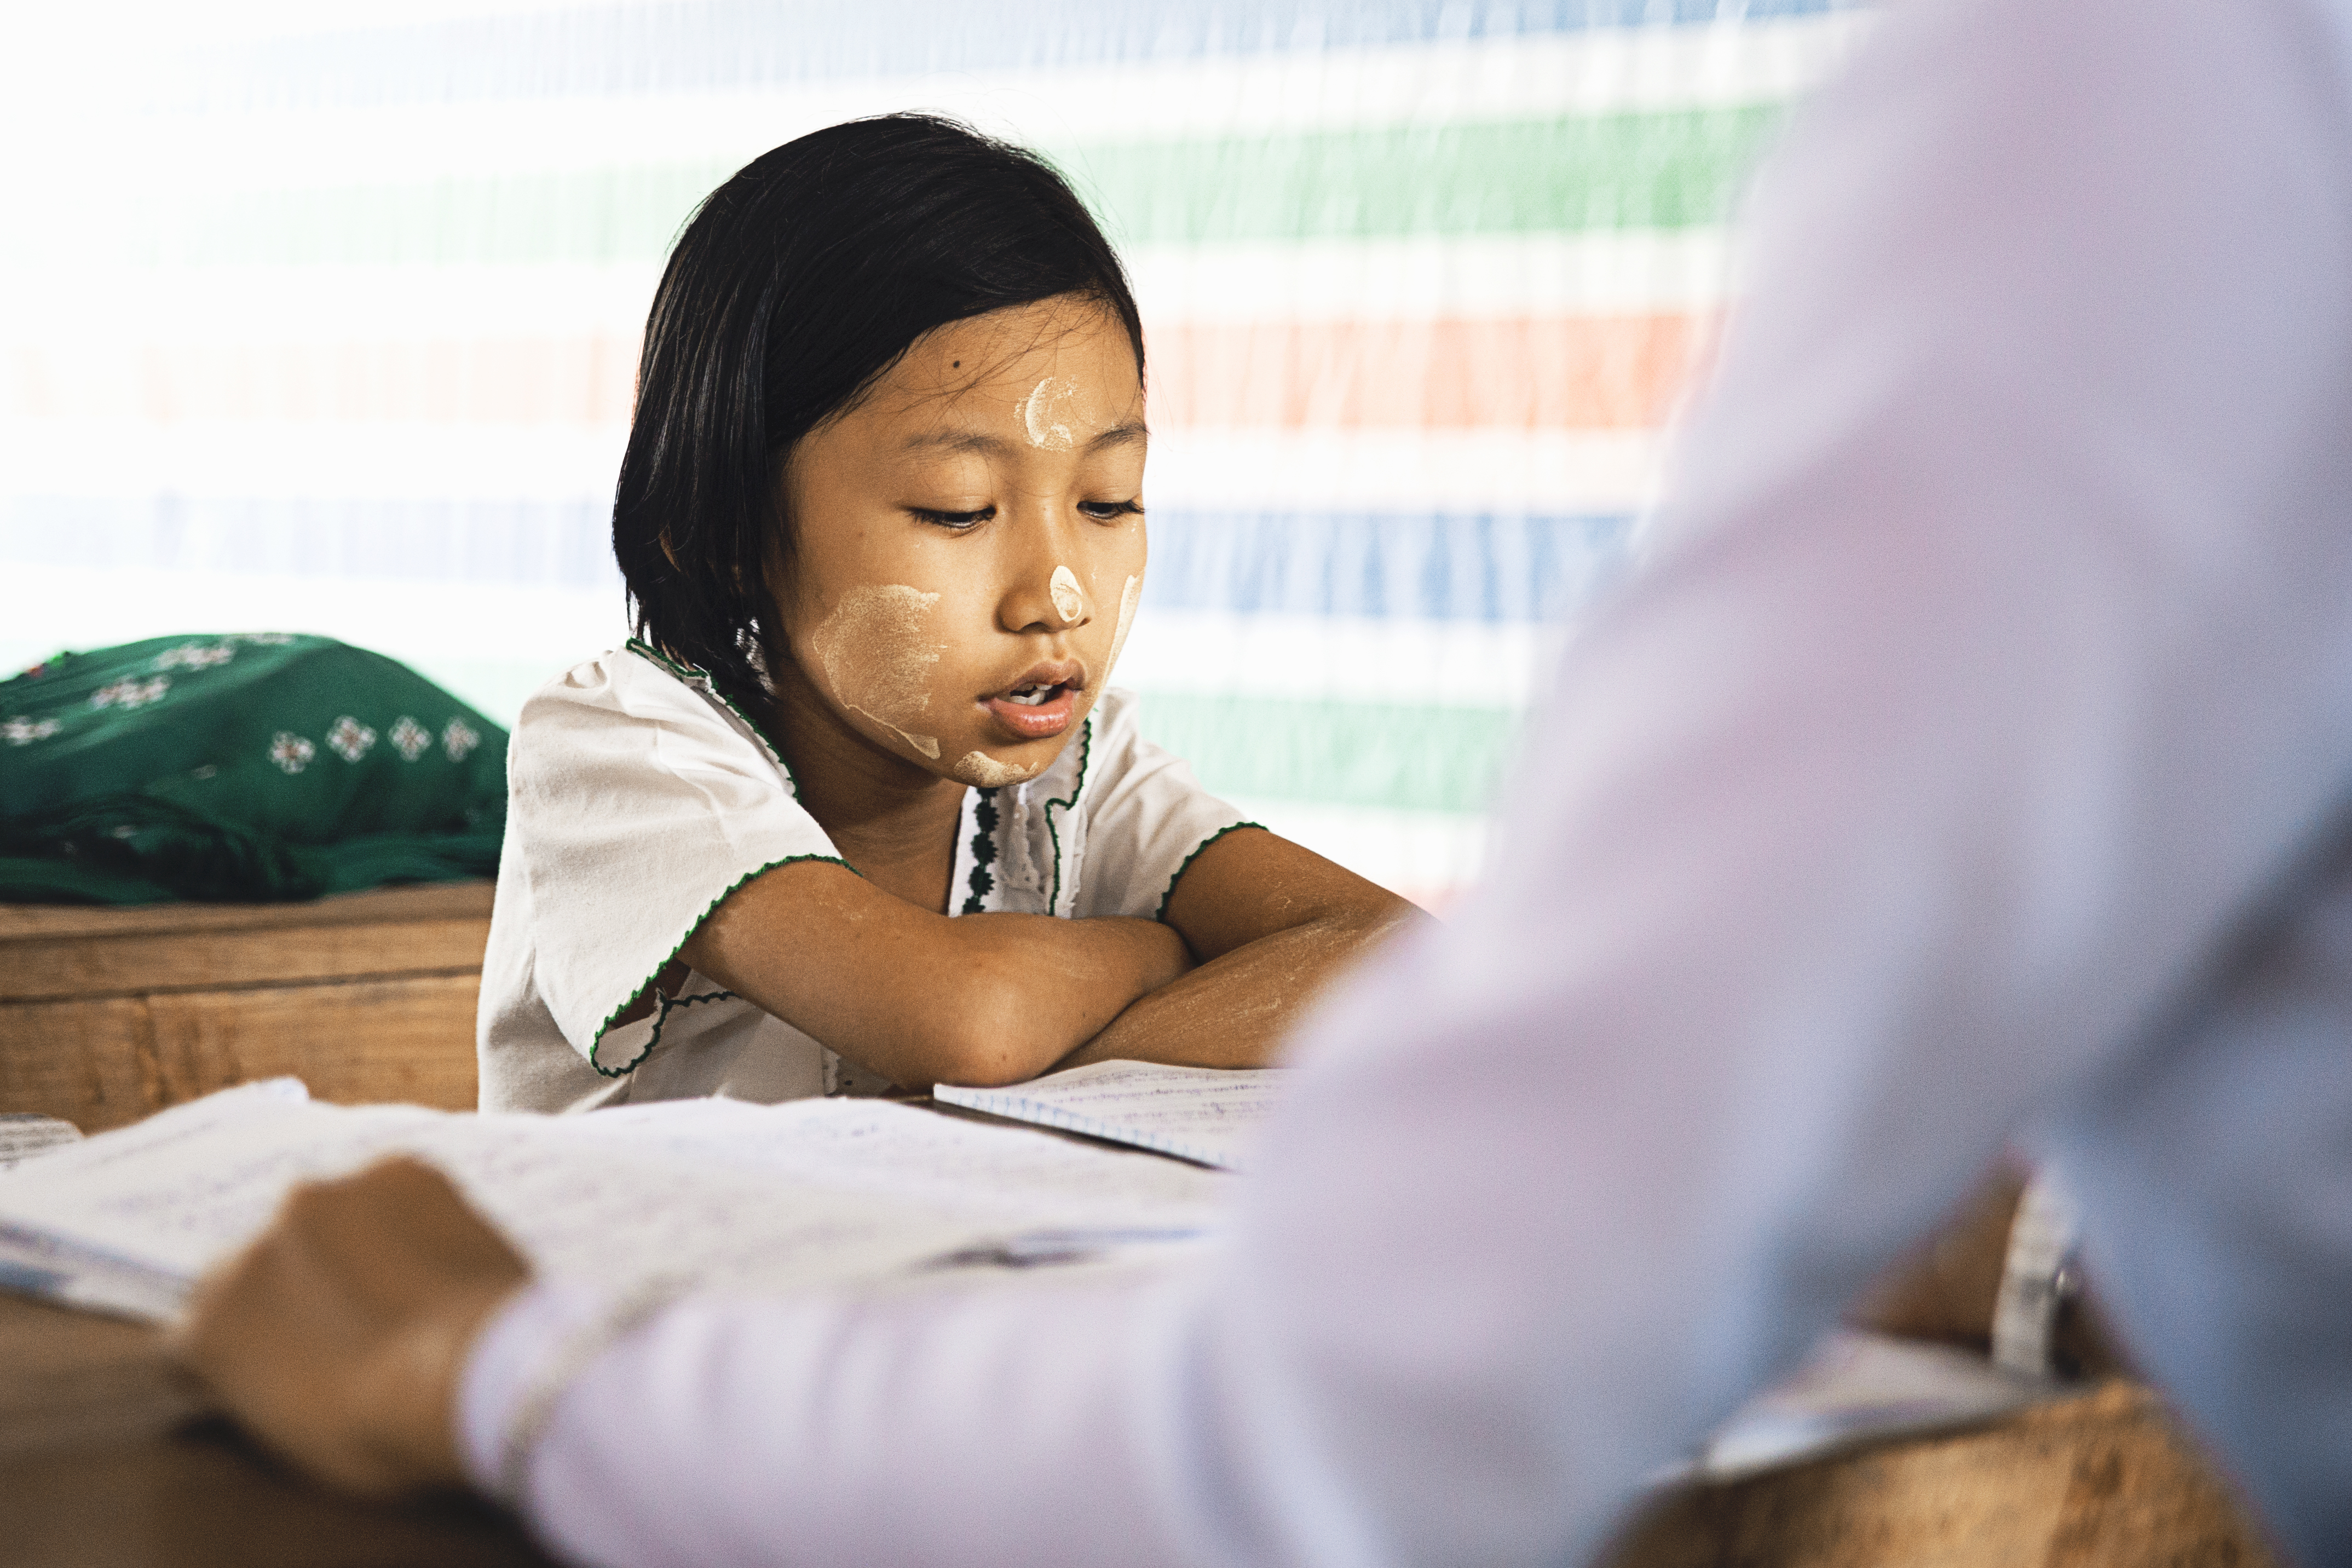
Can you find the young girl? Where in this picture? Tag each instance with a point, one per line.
(859, 806)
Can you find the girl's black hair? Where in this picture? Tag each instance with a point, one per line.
(796, 284)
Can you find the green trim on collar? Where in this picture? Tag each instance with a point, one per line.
(662, 1014)
(694, 675)
(1086, 749)
(1160, 914)
(647, 650)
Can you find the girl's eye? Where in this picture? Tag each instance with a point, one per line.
(956, 522)
(1111, 510)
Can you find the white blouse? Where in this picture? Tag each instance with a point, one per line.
(638, 797)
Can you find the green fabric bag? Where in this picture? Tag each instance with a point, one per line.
(252, 766)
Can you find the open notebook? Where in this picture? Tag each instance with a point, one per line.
(731, 1196)
(1204, 1114)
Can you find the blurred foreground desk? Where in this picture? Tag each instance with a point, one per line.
(110, 1015)
(106, 1463)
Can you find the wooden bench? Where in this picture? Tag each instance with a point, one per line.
(109, 1015)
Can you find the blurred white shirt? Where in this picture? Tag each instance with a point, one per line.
(1968, 756)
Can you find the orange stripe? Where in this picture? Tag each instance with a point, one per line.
(1578, 372)
(1584, 373)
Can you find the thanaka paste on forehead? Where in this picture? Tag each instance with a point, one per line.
(1046, 413)
(1069, 599)
(875, 661)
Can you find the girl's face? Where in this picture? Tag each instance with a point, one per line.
(968, 542)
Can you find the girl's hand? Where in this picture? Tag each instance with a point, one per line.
(339, 1336)
(1272, 924)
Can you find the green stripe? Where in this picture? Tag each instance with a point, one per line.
(1608, 172)
(595, 215)
(1544, 176)
(1338, 753)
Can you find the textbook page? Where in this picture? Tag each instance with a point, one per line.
(22, 1136)
(729, 1196)
(1205, 1114)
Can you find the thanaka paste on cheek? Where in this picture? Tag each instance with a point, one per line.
(1045, 414)
(875, 661)
(1069, 599)
(1126, 600)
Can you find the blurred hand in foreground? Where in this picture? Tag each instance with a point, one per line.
(338, 1337)
(1946, 1288)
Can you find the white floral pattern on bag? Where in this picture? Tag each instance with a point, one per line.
(350, 738)
(194, 656)
(130, 692)
(457, 738)
(290, 752)
(23, 731)
(410, 739)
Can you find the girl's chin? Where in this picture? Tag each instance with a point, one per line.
(977, 767)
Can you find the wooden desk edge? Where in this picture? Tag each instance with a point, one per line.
(416, 901)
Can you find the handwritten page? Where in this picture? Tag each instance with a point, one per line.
(1206, 1114)
(22, 1136)
(729, 1196)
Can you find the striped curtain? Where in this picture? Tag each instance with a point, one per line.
(329, 325)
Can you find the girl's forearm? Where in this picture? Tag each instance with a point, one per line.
(1021, 992)
(1235, 1011)
(921, 997)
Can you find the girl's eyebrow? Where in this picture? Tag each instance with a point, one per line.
(1124, 434)
(956, 441)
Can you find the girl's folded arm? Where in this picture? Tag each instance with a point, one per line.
(923, 999)
(1271, 923)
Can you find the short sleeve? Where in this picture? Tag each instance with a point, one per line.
(1146, 815)
(637, 800)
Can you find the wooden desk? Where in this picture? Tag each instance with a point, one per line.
(106, 1461)
(2104, 1480)
(111, 1014)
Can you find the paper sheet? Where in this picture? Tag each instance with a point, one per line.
(1205, 1114)
(23, 1136)
(1855, 1388)
(732, 1196)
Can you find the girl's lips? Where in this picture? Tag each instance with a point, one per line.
(1039, 720)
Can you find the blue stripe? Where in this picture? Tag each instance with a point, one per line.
(556, 544)
(1431, 566)
(1477, 566)
(738, 45)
